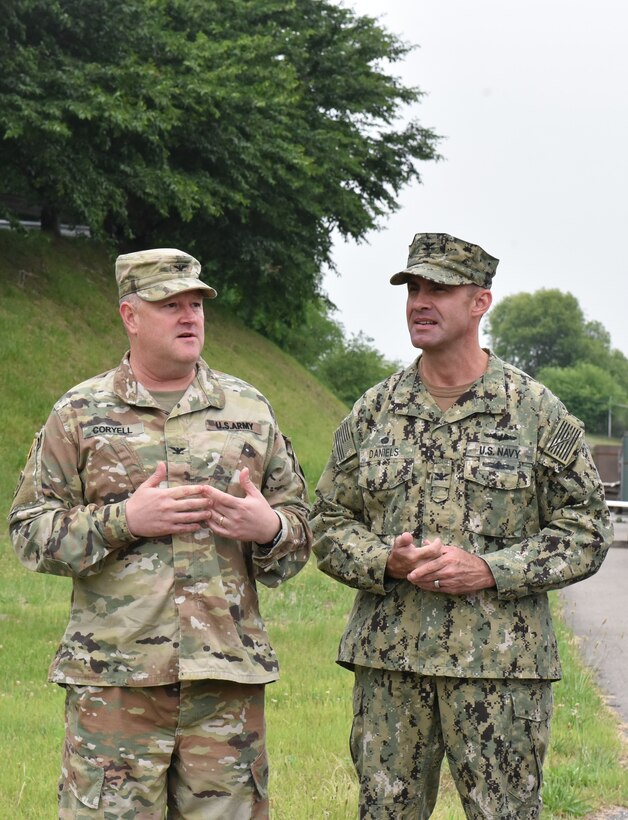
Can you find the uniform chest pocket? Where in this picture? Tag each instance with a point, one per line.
(111, 471)
(387, 486)
(385, 475)
(498, 497)
(220, 457)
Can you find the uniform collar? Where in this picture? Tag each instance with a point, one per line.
(486, 395)
(204, 391)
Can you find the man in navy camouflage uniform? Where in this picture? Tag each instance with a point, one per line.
(165, 490)
(458, 493)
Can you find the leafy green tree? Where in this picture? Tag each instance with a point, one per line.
(587, 390)
(246, 132)
(347, 365)
(545, 334)
(354, 366)
(541, 329)
(68, 131)
(618, 367)
(317, 336)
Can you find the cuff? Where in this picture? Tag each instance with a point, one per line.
(281, 534)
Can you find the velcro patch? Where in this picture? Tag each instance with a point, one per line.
(237, 426)
(344, 447)
(112, 428)
(565, 441)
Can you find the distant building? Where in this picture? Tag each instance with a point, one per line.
(607, 459)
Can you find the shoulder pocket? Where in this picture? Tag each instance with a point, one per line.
(28, 490)
(349, 463)
(564, 442)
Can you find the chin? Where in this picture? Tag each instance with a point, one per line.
(190, 360)
(190, 353)
(419, 343)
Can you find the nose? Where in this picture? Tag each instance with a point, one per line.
(188, 313)
(418, 299)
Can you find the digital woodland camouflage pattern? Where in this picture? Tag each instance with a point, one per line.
(121, 743)
(494, 731)
(448, 260)
(155, 611)
(505, 473)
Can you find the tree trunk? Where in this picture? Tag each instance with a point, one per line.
(50, 220)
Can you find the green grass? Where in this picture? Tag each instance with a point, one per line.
(58, 325)
(587, 760)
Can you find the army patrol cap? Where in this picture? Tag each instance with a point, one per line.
(158, 273)
(448, 260)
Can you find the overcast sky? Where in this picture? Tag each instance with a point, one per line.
(531, 99)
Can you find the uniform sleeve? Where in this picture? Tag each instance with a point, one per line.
(285, 490)
(52, 529)
(345, 547)
(575, 526)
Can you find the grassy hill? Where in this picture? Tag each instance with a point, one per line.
(59, 325)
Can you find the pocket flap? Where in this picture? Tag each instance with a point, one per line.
(85, 780)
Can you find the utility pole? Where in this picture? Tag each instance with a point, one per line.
(610, 414)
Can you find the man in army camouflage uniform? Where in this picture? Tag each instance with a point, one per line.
(458, 493)
(165, 490)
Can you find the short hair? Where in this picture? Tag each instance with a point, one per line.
(133, 299)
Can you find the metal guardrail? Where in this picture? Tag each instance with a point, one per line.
(620, 522)
(32, 225)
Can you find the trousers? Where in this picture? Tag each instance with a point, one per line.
(494, 733)
(193, 750)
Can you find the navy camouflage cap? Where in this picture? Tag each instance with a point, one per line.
(448, 260)
(158, 273)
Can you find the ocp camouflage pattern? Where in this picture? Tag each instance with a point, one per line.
(151, 611)
(120, 743)
(158, 273)
(505, 473)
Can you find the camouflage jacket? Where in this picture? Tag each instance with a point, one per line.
(154, 611)
(504, 473)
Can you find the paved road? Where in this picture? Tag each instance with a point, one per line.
(597, 613)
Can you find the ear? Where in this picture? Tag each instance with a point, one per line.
(482, 301)
(129, 317)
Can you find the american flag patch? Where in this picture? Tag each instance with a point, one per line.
(565, 441)
(343, 442)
